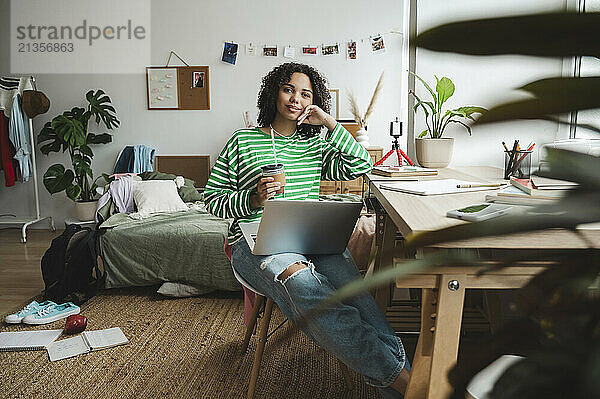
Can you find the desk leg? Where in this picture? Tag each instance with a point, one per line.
(446, 335)
(421, 365)
(384, 259)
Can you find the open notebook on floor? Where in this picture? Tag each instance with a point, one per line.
(27, 340)
(86, 342)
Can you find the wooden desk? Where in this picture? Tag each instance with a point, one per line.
(444, 288)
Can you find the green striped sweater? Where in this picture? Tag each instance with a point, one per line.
(307, 161)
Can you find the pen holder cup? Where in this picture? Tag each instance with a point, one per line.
(517, 164)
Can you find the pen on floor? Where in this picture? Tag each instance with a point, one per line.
(480, 185)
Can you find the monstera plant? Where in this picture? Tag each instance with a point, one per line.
(69, 132)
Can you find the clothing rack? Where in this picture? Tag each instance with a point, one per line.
(25, 222)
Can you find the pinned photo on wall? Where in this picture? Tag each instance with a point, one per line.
(330, 49)
(198, 80)
(351, 50)
(377, 44)
(230, 51)
(309, 50)
(270, 51)
(250, 50)
(289, 52)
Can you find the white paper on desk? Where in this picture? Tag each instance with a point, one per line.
(434, 187)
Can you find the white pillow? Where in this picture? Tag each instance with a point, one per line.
(152, 196)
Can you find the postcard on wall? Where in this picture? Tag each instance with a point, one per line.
(230, 51)
(289, 52)
(377, 44)
(197, 80)
(351, 50)
(330, 49)
(309, 50)
(162, 88)
(250, 50)
(270, 51)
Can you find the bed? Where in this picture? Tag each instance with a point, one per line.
(184, 247)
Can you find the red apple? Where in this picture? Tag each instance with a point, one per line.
(76, 323)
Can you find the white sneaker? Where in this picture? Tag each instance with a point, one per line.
(32, 308)
(52, 313)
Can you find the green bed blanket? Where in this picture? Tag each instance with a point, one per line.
(184, 247)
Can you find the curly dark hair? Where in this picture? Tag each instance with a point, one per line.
(269, 91)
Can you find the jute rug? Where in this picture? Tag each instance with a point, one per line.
(178, 348)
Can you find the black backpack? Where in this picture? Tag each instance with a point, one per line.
(70, 266)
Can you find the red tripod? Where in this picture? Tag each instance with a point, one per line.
(401, 154)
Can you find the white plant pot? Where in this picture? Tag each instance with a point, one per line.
(86, 211)
(362, 136)
(434, 153)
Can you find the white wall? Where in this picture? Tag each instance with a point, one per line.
(196, 31)
(484, 81)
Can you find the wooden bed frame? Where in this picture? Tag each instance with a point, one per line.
(195, 167)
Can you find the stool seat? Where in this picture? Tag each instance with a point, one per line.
(245, 283)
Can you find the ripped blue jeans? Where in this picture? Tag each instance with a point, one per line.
(355, 331)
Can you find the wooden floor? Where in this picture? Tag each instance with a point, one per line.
(20, 272)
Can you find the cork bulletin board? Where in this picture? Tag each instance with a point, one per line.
(181, 87)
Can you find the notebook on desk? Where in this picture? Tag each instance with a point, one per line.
(434, 187)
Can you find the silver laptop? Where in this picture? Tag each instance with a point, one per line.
(304, 227)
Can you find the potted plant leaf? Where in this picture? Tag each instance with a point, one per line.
(69, 132)
(435, 151)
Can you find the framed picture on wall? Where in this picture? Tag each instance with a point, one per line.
(335, 103)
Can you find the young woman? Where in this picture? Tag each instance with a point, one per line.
(293, 103)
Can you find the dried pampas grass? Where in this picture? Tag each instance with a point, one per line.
(355, 110)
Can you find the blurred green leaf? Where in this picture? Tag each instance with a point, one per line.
(553, 96)
(558, 34)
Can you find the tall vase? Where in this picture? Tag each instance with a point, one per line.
(362, 136)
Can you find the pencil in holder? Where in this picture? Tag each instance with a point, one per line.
(517, 164)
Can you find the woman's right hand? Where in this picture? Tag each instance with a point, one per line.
(266, 189)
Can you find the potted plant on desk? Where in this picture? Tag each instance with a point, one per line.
(435, 151)
(69, 132)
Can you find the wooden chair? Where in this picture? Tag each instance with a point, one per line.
(263, 334)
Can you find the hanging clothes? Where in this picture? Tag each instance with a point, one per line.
(18, 132)
(9, 88)
(143, 159)
(7, 152)
(136, 159)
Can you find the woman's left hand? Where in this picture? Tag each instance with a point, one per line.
(314, 115)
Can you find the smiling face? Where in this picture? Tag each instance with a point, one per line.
(294, 96)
